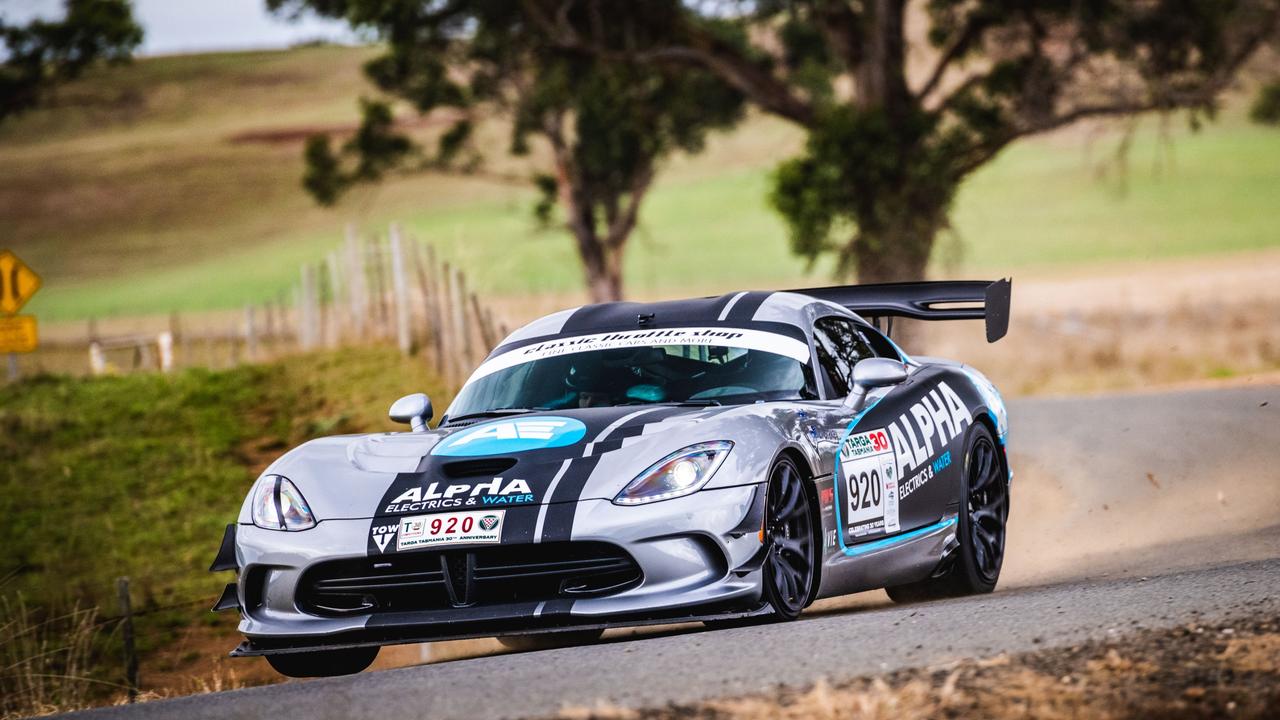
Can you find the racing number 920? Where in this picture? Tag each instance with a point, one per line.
(865, 488)
(450, 526)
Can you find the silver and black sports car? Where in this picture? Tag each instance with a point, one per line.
(725, 459)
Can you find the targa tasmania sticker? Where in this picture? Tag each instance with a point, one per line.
(870, 474)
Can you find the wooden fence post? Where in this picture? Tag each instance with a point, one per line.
(164, 343)
(357, 282)
(307, 299)
(404, 336)
(379, 284)
(179, 338)
(461, 335)
(97, 361)
(126, 628)
(438, 322)
(250, 334)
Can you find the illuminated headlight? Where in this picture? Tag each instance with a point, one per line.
(277, 505)
(676, 475)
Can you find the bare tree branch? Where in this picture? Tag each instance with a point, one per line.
(958, 46)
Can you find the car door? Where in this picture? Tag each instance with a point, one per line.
(864, 473)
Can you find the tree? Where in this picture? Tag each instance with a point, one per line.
(39, 56)
(607, 124)
(886, 151)
(1266, 107)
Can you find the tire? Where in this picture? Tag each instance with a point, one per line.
(324, 663)
(548, 641)
(975, 568)
(790, 570)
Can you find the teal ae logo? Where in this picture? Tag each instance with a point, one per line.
(508, 436)
(489, 522)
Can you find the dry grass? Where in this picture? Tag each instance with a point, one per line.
(44, 659)
(1191, 672)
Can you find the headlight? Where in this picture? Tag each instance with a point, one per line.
(277, 505)
(678, 474)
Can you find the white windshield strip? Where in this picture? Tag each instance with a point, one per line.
(716, 337)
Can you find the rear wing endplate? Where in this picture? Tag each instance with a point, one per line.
(938, 300)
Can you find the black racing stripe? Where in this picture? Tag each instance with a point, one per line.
(518, 524)
(558, 523)
(383, 529)
(628, 431)
(605, 446)
(607, 314)
(671, 313)
(745, 309)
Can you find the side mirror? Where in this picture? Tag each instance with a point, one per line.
(873, 373)
(413, 409)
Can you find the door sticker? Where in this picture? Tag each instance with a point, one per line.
(869, 473)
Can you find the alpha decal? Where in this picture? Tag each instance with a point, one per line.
(927, 427)
(508, 436)
(438, 496)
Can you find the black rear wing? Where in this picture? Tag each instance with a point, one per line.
(940, 300)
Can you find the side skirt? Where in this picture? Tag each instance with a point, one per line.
(894, 560)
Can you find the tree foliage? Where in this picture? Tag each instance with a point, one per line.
(607, 123)
(888, 144)
(42, 54)
(1266, 107)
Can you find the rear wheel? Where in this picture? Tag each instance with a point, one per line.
(547, 641)
(788, 531)
(981, 532)
(324, 663)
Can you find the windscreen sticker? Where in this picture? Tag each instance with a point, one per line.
(716, 336)
(869, 471)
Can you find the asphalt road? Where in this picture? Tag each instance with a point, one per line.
(1130, 512)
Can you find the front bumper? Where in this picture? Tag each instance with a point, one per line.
(699, 557)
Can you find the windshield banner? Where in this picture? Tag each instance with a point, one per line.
(714, 337)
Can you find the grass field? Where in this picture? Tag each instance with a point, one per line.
(172, 184)
(99, 478)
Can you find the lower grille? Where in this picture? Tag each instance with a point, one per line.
(435, 580)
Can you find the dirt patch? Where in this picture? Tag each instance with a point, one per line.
(1195, 671)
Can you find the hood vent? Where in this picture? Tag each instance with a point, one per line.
(475, 468)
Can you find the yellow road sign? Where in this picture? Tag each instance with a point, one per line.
(18, 334)
(17, 283)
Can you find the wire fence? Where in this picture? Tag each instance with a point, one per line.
(387, 288)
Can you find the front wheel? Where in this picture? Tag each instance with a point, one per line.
(789, 565)
(981, 528)
(324, 663)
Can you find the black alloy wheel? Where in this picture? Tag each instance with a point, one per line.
(988, 509)
(788, 535)
(975, 567)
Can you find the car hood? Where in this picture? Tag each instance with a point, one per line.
(535, 458)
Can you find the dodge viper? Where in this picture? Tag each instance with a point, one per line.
(725, 459)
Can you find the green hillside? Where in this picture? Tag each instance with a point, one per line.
(173, 184)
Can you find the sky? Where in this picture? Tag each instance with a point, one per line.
(185, 26)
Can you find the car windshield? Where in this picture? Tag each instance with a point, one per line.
(728, 367)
